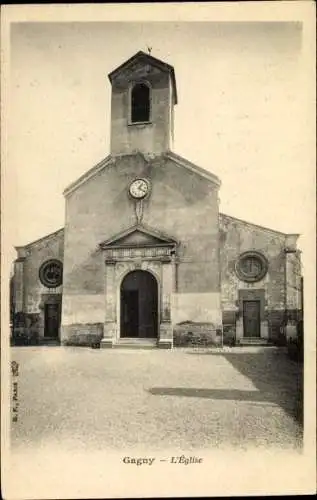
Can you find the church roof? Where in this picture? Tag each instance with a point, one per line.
(225, 217)
(110, 160)
(202, 172)
(40, 240)
(88, 174)
(147, 59)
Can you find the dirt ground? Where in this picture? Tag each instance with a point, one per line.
(184, 398)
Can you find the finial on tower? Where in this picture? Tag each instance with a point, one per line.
(149, 49)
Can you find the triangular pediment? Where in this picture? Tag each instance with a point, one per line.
(141, 58)
(140, 65)
(137, 70)
(138, 236)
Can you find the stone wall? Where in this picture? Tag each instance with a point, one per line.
(194, 307)
(187, 334)
(236, 237)
(153, 137)
(29, 293)
(84, 334)
(293, 280)
(180, 203)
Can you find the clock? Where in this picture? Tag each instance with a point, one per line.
(139, 188)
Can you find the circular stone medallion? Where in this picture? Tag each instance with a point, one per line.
(251, 267)
(51, 273)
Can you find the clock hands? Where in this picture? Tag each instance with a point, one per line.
(142, 187)
(139, 188)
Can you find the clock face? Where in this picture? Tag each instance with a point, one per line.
(139, 188)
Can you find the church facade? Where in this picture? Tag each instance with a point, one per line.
(145, 256)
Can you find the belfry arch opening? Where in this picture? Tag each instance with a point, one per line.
(139, 305)
(140, 103)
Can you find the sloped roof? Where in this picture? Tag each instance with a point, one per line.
(183, 162)
(110, 160)
(87, 175)
(40, 240)
(147, 59)
(223, 217)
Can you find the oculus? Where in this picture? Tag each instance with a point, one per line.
(139, 188)
(251, 267)
(51, 273)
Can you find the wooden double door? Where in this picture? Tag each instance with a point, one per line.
(139, 305)
(252, 318)
(52, 320)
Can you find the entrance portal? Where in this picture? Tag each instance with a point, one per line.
(51, 321)
(139, 305)
(251, 318)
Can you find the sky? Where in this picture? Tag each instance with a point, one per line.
(243, 113)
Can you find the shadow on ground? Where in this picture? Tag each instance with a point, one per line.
(278, 381)
(229, 394)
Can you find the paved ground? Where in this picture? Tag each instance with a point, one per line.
(156, 399)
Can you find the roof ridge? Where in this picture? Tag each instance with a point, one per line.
(138, 54)
(40, 239)
(256, 225)
(88, 174)
(196, 168)
(155, 61)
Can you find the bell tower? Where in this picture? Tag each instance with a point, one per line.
(142, 106)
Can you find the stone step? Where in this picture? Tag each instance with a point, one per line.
(254, 341)
(136, 343)
(49, 341)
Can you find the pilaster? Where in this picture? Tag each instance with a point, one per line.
(19, 284)
(166, 329)
(110, 326)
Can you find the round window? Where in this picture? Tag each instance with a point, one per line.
(51, 273)
(251, 266)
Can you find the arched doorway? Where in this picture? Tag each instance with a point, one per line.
(139, 305)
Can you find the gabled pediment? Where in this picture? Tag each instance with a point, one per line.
(188, 165)
(140, 62)
(138, 236)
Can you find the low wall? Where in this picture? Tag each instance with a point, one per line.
(82, 334)
(25, 329)
(196, 334)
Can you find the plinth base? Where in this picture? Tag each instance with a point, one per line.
(106, 344)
